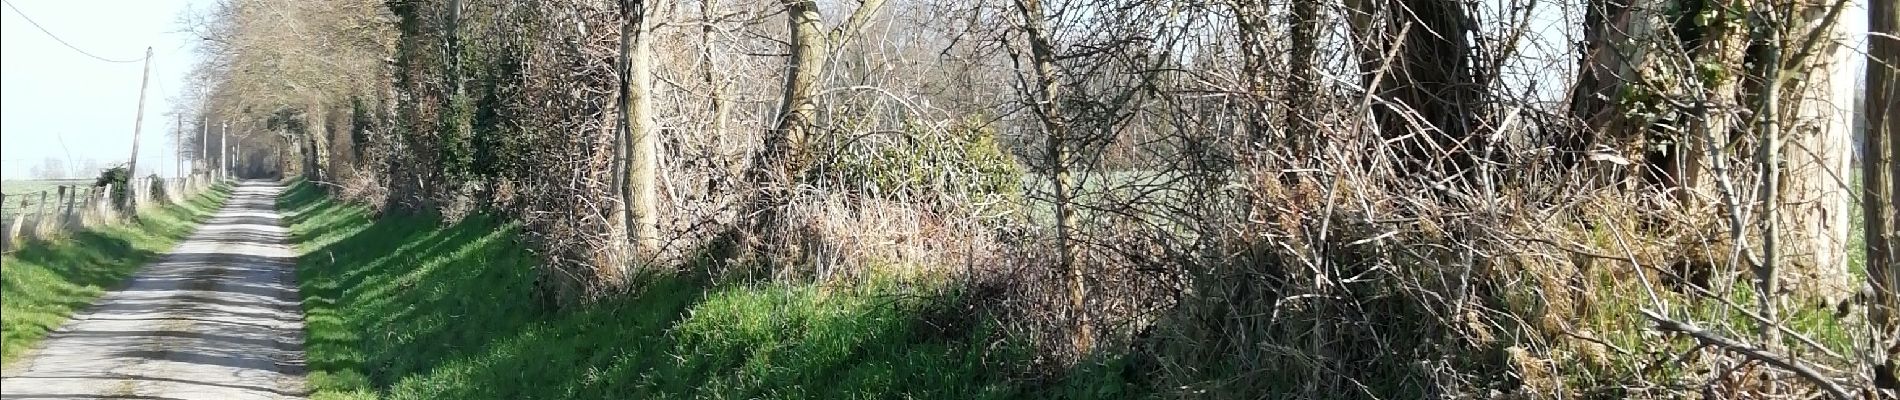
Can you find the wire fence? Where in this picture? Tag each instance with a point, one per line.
(38, 210)
(29, 197)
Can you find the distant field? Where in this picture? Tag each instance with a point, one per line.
(28, 191)
(1129, 193)
(12, 187)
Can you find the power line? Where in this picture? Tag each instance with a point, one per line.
(48, 33)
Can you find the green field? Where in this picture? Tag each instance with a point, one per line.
(28, 191)
(25, 186)
(1121, 195)
(45, 281)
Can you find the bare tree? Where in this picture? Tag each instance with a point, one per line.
(1044, 100)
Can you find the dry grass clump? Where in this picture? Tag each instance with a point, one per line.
(850, 238)
(1363, 291)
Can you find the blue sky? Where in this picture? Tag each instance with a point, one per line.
(55, 102)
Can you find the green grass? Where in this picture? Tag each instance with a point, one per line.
(45, 281)
(407, 307)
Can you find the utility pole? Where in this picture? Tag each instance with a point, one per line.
(224, 149)
(204, 144)
(178, 146)
(132, 167)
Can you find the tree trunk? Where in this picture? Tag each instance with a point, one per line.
(386, 123)
(1880, 166)
(316, 129)
(1817, 156)
(1251, 22)
(783, 158)
(178, 146)
(778, 166)
(1046, 97)
(1429, 76)
(1767, 276)
(204, 146)
(710, 72)
(1632, 56)
(786, 143)
(307, 150)
(1609, 59)
(1638, 63)
(452, 36)
(616, 256)
(224, 150)
(1302, 142)
(640, 192)
(1302, 122)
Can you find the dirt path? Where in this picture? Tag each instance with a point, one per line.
(217, 318)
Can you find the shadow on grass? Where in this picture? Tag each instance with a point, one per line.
(406, 307)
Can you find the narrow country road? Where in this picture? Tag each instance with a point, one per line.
(217, 318)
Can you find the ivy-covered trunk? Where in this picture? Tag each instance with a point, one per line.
(1668, 86)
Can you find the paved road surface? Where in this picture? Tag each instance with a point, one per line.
(217, 318)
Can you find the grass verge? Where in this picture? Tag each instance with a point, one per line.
(45, 281)
(406, 307)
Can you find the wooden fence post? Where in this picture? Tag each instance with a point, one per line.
(12, 233)
(107, 207)
(82, 205)
(85, 207)
(57, 197)
(39, 218)
(66, 218)
(7, 230)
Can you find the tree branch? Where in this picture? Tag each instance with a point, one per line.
(851, 26)
(1711, 339)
